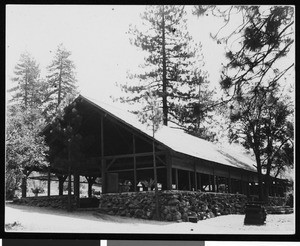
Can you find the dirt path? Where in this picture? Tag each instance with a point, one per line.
(35, 219)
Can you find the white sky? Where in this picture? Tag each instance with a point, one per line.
(96, 36)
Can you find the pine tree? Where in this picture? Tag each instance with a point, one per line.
(253, 83)
(27, 73)
(61, 79)
(172, 68)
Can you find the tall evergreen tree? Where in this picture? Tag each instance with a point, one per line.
(26, 75)
(61, 79)
(172, 68)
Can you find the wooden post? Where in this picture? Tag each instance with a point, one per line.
(24, 186)
(189, 180)
(217, 183)
(248, 186)
(60, 185)
(61, 180)
(242, 185)
(103, 162)
(276, 186)
(69, 174)
(169, 171)
(76, 187)
(209, 181)
(91, 181)
(176, 178)
(49, 182)
(199, 181)
(134, 164)
(90, 185)
(229, 182)
(195, 177)
(69, 190)
(214, 180)
(103, 175)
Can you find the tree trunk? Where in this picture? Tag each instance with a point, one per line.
(260, 178)
(26, 173)
(267, 188)
(164, 90)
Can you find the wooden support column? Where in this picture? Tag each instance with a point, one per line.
(277, 188)
(91, 181)
(189, 178)
(76, 186)
(103, 175)
(242, 190)
(169, 171)
(69, 190)
(209, 182)
(214, 180)
(229, 182)
(176, 178)
(195, 177)
(217, 183)
(199, 181)
(49, 182)
(61, 180)
(103, 161)
(248, 186)
(134, 164)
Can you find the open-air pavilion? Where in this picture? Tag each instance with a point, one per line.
(116, 147)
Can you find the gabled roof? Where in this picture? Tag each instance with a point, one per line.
(179, 141)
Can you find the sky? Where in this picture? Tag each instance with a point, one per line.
(96, 36)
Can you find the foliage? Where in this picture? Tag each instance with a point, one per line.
(172, 70)
(65, 129)
(289, 199)
(152, 114)
(37, 188)
(61, 79)
(12, 182)
(25, 148)
(148, 184)
(261, 112)
(27, 77)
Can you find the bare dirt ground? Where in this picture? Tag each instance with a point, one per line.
(20, 218)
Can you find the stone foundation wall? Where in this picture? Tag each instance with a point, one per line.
(174, 205)
(60, 202)
(277, 201)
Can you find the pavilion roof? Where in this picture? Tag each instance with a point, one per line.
(180, 141)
